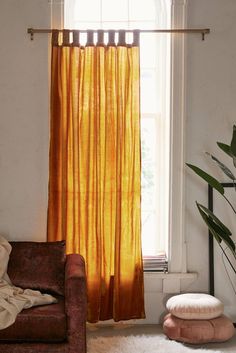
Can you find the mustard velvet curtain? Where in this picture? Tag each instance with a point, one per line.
(94, 182)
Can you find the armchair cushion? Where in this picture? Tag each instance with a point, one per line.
(41, 323)
(38, 266)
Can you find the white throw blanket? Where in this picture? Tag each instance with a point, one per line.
(14, 299)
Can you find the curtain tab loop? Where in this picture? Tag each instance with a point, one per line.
(121, 40)
(100, 40)
(55, 34)
(111, 37)
(90, 41)
(76, 38)
(66, 38)
(136, 37)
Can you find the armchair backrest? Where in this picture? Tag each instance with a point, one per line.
(39, 266)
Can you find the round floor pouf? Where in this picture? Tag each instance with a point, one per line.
(219, 329)
(195, 306)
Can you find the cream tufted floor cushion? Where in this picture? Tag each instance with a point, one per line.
(195, 306)
(197, 318)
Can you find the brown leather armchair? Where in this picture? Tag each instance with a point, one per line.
(53, 328)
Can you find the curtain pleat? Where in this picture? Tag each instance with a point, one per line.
(95, 171)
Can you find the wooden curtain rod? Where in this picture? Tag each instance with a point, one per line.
(203, 31)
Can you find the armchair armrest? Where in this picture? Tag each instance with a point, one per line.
(76, 302)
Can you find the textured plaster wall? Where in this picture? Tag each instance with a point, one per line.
(210, 113)
(24, 104)
(24, 122)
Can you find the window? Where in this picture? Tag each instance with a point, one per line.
(156, 108)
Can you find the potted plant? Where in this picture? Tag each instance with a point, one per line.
(218, 229)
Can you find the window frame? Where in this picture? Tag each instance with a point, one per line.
(176, 240)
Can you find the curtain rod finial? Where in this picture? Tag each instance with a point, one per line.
(31, 32)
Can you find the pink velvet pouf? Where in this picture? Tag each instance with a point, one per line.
(219, 329)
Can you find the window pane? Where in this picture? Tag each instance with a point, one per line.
(115, 25)
(113, 10)
(86, 25)
(149, 221)
(149, 95)
(155, 76)
(149, 233)
(148, 44)
(142, 25)
(148, 127)
(88, 10)
(142, 10)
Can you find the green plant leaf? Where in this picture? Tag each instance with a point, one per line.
(216, 230)
(215, 218)
(233, 142)
(225, 148)
(222, 166)
(214, 227)
(205, 219)
(208, 178)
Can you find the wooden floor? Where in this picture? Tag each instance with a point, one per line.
(124, 329)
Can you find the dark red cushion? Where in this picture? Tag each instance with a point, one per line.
(38, 265)
(46, 323)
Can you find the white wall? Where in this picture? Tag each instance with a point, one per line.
(211, 112)
(24, 132)
(24, 104)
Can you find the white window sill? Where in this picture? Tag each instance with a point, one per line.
(169, 275)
